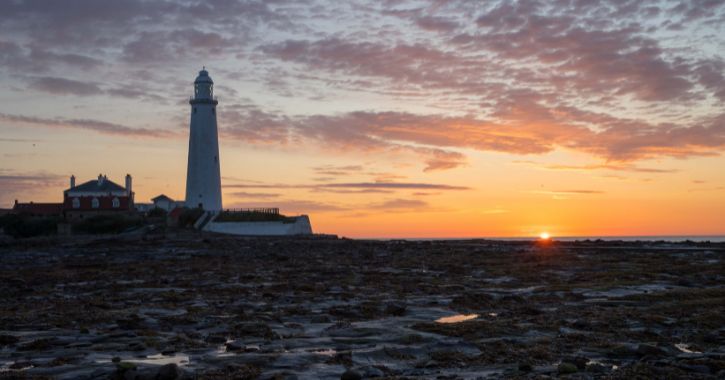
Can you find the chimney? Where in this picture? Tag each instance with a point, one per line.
(100, 179)
(72, 181)
(128, 185)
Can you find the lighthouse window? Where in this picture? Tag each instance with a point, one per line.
(216, 159)
(194, 109)
(213, 110)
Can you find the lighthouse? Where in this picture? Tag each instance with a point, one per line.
(203, 179)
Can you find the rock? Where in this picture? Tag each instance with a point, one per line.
(168, 372)
(37, 345)
(216, 339)
(697, 368)
(596, 368)
(579, 361)
(370, 371)
(125, 366)
(320, 319)
(525, 367)
(351, 375)
(621, 351)
(234, 346)
(650, 350)
(21, 365)
(251, 348)
(395, 309)
(565, 368)
(283, 376)
(254, 329)
(712, 338)
(130, 374)
(136, 346)
(7, 340)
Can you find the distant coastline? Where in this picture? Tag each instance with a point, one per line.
(666, 238)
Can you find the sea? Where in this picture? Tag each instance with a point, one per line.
(668, 238)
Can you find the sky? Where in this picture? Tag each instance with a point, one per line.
(383, 118)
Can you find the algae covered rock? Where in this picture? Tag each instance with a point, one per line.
(565, 368)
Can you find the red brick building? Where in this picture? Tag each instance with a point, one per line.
(38, 210)
(97, 197)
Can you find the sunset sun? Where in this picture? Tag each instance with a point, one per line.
(544, 236)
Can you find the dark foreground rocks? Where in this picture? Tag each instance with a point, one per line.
(215, 307)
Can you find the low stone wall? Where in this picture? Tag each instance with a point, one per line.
(301, 226)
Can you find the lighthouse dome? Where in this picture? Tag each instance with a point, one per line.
(203, 77)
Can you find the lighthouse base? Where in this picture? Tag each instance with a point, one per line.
(300, 226)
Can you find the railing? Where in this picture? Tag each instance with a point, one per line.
(269, 211)
(192, 97)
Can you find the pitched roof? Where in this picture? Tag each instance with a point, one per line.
(162, 197)
(93, 186)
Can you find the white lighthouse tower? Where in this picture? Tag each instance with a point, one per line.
(203, 180)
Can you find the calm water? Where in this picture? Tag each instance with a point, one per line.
(700, 238)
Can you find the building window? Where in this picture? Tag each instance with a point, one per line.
(76, 203)
(95, 203)
(116, 203)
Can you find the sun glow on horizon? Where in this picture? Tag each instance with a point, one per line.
(544, 236)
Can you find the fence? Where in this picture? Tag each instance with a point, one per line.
(267, 211)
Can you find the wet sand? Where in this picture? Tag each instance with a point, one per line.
(215, 307)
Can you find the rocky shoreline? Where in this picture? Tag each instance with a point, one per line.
(217, 307)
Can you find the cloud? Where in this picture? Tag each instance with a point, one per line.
(393, 185)
(621, 81)
(49, 57)
(243, 194)
(568, 192)
(529, 128)
(602, 166)
(2, 139)
(437, 24)
(338, 170)
(14, 183)
(354, 191)
(294, 206)
(352, 186)
(88, 124)
(62, 86)
(399, 205)
(151, 47)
